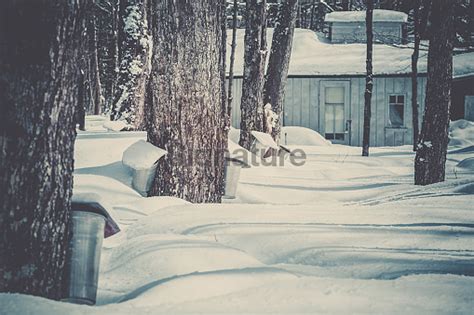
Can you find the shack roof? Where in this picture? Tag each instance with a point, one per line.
(359, 16)
(314, 57)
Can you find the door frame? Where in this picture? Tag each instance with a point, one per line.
(322, 108)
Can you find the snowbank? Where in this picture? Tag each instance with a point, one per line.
(302, 136)
(340, 234)
(461, 133)
(110, 190)
(267, 293)
(466, 164)
(290, 135)
(115, 125)
(95, 123)
(146, 206)
(97, 149)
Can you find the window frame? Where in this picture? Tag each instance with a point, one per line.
(323, 84)
(389, 104)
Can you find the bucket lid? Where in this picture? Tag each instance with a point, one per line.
(111, 227)
(239, 162)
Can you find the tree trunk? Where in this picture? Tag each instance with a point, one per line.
(369, 81)
(96, 88)
(346, 5)
(40, 46)
(230, 97)
(471, 25)
(414, 73)
(313, 9)
(252, 113)
(135, 63)
(106, 13)
(277, 71)
(186, 107)
(425, 12)
(298, 16)
(430, 162)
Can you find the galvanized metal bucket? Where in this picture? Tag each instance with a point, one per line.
(232, 175)
(143, 179)
(82, 269)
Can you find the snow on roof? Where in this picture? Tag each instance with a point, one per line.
(312, 57)
(359, 16)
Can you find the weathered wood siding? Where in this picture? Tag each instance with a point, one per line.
(303, 107)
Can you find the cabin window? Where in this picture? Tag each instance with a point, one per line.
(334, 113)
(396, 108)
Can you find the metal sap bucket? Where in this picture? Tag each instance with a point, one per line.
(232, 170)
(82, 269)
(143, 179)
(90, 224)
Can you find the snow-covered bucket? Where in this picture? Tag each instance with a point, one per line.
(232, 170)
(90, 224)
(143, 179)
(262, 143)
(142, 157)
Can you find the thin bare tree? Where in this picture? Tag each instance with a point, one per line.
(369, 80)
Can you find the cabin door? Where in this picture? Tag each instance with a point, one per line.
(335, 107)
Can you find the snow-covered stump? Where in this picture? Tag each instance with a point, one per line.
(90, 224)
(142, 157)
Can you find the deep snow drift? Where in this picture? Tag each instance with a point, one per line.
(340, 234)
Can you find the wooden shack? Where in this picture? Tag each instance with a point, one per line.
(389, 27)
(326, 84)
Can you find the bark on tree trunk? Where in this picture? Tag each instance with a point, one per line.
(313, 9)
(430, 161)
(346, 5)
(298, 16)
(252, 113)
(135, 63)
(106, 13)
(94, 74)
(186, 107)
(369, 81)
(414, 74)
(230, 97)
(425, 12)
(40, 46)
(277, 71)
(471, 24)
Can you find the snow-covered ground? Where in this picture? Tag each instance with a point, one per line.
(340, 234)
